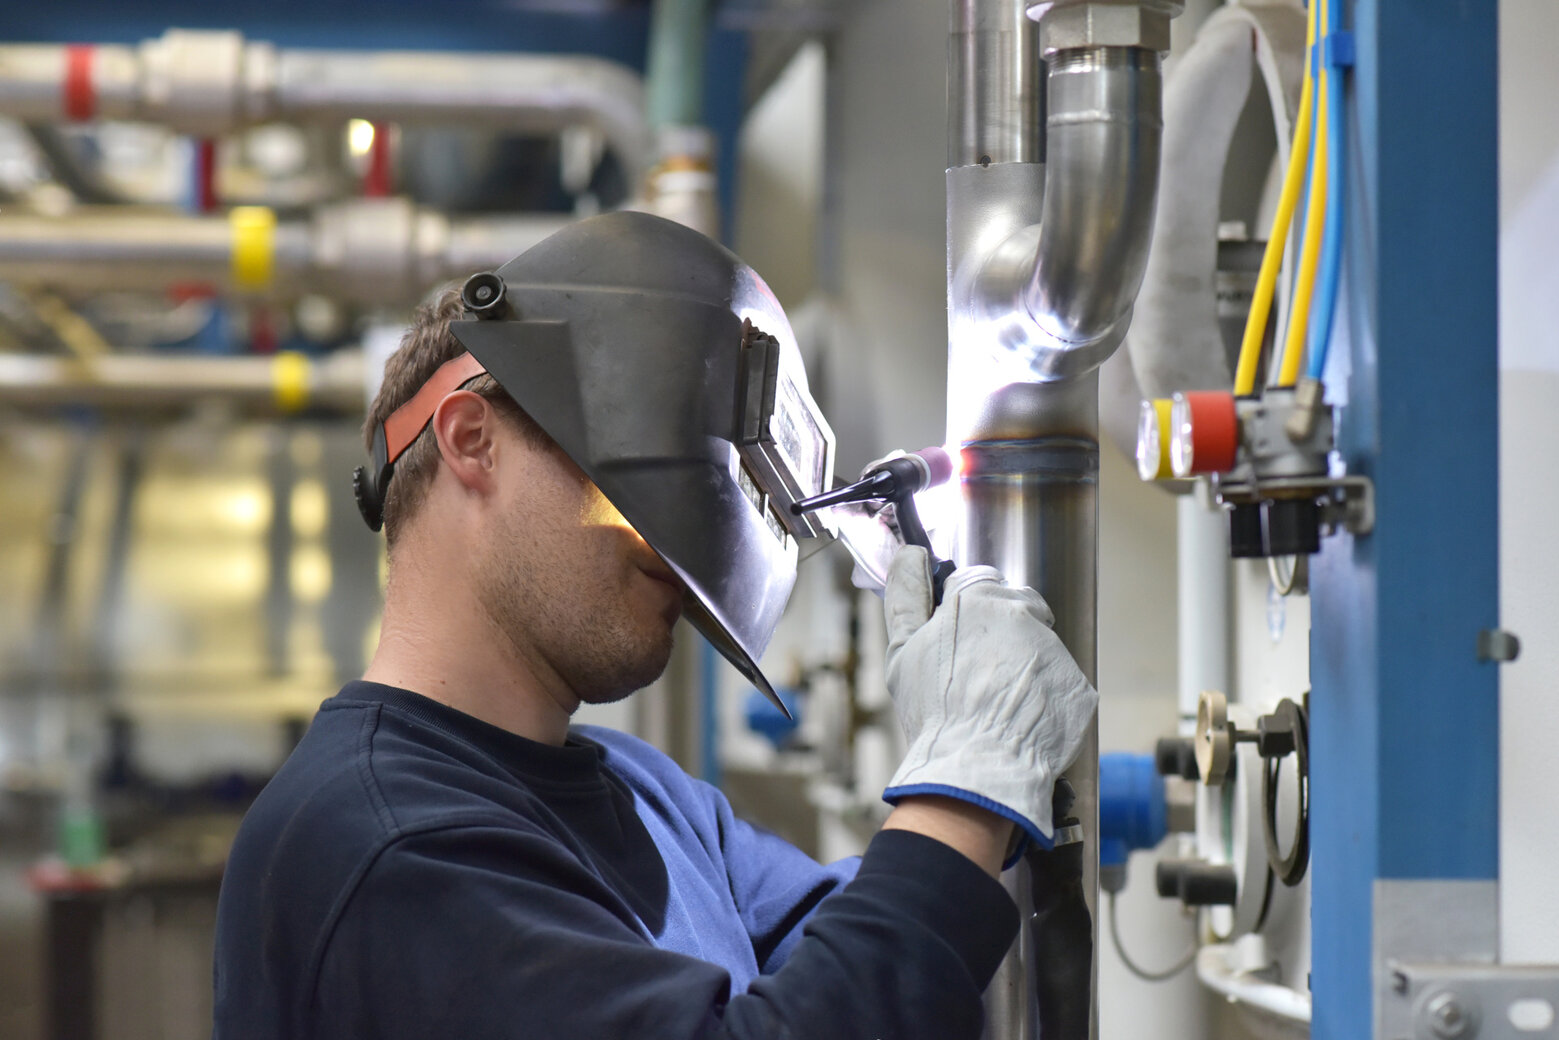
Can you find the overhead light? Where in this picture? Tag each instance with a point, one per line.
(359, 137)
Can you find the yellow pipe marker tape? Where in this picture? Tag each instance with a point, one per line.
(254, 246)
(1161, 410)
(290, 380)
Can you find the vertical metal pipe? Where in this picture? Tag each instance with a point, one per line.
(1030, 450)
(995, 85)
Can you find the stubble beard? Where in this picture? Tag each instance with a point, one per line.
(589, 635)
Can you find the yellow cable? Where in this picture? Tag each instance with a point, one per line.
(254, 246)
(1277, 239)
(1272, 258)
(1310, 251)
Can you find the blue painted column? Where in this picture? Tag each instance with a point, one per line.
(1404, 717)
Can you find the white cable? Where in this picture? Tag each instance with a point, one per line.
(1147, 976)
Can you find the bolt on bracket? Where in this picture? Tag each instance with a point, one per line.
(1469, 1002)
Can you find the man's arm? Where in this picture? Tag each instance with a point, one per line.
(981, 836)
(489, 932)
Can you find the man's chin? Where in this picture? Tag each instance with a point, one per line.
(635, 675)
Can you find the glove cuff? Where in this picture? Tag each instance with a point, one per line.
(1027, 828)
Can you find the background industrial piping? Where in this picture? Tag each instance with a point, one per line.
(279, 384)
(372, 251)
(1030, 318)
(213, 83)
(681, 185)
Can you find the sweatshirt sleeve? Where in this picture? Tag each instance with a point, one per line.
(488, 932)
(776, 886)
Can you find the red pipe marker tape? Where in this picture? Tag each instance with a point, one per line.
(80, 95)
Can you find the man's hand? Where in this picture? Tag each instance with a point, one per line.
(993, 706)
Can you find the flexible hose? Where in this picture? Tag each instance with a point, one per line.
(1142, 973)
(1315, 213)
(1331, 249)
(1277, 239)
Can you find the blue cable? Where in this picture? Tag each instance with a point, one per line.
(1338, 55)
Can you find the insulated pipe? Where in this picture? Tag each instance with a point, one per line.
(375, 251)
(280, 383)
(1176, 342)
(212, 83)
(674, 69)
(682, 185)
(1043, 266)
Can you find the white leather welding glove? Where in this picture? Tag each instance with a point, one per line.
(992, 705)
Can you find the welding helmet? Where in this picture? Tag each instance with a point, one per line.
(666, 369)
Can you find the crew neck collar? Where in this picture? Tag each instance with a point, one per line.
(578, 760)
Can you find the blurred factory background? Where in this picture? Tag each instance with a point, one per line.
(214, 221)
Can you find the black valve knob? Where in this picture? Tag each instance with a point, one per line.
(1176, 756)
(1196, 882)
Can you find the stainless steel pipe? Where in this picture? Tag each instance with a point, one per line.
(372, 251)
(995, 85)
(126, 382)
(1047, 239)
(1060, 291)
(211, 83)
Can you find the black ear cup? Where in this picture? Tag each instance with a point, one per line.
(369, 493)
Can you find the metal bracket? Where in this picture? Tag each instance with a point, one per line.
(1347, 503)
(1470, 1002)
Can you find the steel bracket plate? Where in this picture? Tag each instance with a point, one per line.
(1470, 1001)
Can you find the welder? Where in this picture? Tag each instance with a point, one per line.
(566, 455)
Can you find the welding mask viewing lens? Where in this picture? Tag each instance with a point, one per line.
(665, 368)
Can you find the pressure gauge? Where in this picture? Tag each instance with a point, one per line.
(1153, 440)
(1204, 433)
(1182, 450)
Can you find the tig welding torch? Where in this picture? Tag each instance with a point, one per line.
(896, 479)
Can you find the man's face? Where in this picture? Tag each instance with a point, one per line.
(563, 574)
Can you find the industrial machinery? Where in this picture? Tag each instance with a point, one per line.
(1252, 244)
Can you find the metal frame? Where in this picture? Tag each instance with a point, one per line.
(1404, 722)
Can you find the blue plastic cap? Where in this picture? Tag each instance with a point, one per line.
(1132, 811)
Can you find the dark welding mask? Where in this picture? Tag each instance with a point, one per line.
(668, 372)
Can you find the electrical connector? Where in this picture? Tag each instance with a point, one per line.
(1309, 399)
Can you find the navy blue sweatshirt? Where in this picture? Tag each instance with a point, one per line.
(412, 871)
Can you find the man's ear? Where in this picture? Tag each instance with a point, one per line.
(465, 425)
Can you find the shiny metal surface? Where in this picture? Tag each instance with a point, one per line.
(1043, 264)
(1059, 293)
(365, 250)
(1031, 498)
(994, 89)
(624, 342)
(1105, 23)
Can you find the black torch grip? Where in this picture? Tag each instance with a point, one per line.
(914, 533)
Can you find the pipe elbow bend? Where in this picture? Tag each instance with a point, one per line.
(1063, 324)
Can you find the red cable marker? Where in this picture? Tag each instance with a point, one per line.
(80, 96)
